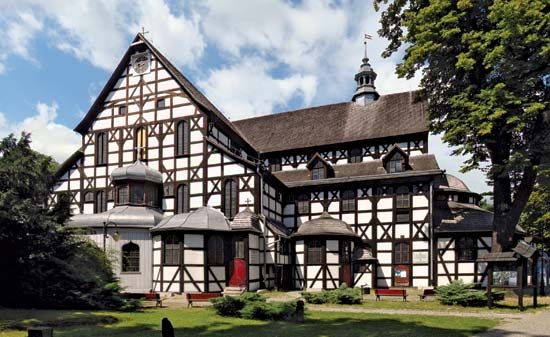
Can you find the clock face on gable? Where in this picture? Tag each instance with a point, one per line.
(141, 63)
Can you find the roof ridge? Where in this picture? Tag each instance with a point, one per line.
(292, 111)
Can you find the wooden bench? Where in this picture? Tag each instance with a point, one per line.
(153, 297)
(391, 292)
(426, 293)
(200, 297)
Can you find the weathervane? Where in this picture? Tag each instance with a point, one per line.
(367, 37)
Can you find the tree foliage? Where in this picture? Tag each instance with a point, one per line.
(536, 216)
(485, 67)
(43, 264)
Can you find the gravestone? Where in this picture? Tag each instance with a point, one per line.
(167, 328)
(299, 315)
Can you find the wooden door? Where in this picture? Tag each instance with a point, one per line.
(238, 267)
(346, 276)
(401, 275)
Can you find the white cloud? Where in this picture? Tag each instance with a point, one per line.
(19, 31)
(48, 136)
(99, 31)
(247, 88)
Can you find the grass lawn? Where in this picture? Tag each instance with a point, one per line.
(204, 322)
(508, 305)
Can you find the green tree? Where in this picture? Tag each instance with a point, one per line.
(485, 67)
(43, 264)
(536, 216)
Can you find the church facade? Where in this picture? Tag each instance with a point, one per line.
(185, 200)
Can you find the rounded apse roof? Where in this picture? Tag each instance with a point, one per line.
(325, 225)
(205, 218)
(137, 171)
(451, 182)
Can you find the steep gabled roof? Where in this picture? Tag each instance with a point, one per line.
(78, 154)
(390, 115)
(193, 93)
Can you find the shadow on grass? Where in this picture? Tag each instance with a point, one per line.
(315, 325)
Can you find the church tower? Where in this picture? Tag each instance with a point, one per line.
(365, 92)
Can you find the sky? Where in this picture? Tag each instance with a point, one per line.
(249, 57)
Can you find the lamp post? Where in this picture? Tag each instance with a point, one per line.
(116, 235)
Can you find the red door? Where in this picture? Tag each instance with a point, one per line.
(346, 275)
(238, 266)
(401, 275)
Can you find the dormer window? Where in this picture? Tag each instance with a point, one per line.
(318, 171)
(355, 155)
(274, 164)
(319, 168)
(396, 160)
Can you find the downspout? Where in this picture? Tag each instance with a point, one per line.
(262, 216)
(432, 248)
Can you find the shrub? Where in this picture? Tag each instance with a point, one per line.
(342, 295)
(228, 305)
(460, 293)
(253, 306)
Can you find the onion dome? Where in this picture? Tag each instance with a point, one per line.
(138, 171)
(205, 218)
(246, 220)
(325, 225)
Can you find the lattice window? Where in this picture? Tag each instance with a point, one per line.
(182, 138)
(318, 171)
(396, 163)
(123, 194)
(101, 149)
(315, 252)
(230, 198)
(466, 249)
(182, 199)
(348, 201)
(130, 257)
(215, 251)
(171, 250)
(302, 204)
(401, 253)
(274, 164)
(100, 202)
(141, 143)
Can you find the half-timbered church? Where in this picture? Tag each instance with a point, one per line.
(185, 200)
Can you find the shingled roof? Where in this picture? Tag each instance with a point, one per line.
(419, 163)
(390, 115)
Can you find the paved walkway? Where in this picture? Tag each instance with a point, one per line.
(530, 325)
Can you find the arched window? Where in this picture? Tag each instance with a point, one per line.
(401, 253)
(182, 199)
(215, 251)
(348, 201)
(141, 143)
(315, 252)
(130, 257)
(318, 171)
(230, 198)
(396, 163)
(171, 250)
(100, 202)
(355, 155)
(182, 138)
(302, 204)
(466, 249)
(101, 150)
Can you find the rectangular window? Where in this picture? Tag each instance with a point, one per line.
(466, 249)
(401, 253)
(402, 215)
(123, 194)
(171, 250)
(239, 249)
(303, 206)
(137, 194)
(315, 252)
(274, 164)
(123, 110)
(402, 201)
(161, 103)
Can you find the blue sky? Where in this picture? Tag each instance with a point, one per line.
(250, 57)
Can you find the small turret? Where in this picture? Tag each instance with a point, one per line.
(365, 92)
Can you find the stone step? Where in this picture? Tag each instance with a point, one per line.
(233, 291)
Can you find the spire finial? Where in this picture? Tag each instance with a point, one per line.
(143, 32)
(367, 37)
